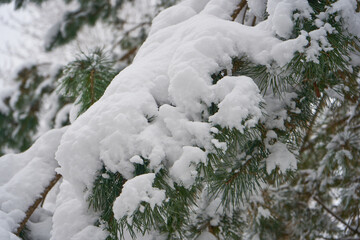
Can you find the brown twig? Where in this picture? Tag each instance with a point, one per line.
(33, 207)
(238, 9)
(335, 216)
(254, 21)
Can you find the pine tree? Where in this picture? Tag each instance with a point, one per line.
(266, 148)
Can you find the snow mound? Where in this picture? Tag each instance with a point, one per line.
(137, 190)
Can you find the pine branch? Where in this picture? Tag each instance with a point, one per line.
(233, 177)
(335, 215)
(312, 123)
(33, 207)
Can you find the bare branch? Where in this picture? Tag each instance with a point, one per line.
(335, 215)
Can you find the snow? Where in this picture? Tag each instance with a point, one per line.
(319, 42)
(138, 189)
(263, 213)
(214, 210)
(280, 157)
(280, 15)
(72, 218)
(184, 169)
(172, 16)
(276, 109)
(24, 176)
(347, 10)
(206, 236)
(237, 98)
(40, 224)
(257, 7)
(156, 108)
(137, 159)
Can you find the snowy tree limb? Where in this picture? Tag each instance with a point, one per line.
(33, 207)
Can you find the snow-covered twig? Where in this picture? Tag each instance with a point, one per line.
(33, 207)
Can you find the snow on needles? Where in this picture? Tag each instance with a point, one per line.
(157, 107)
(137, 190)
(172, 69)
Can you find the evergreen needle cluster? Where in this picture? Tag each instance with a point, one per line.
(87, 77)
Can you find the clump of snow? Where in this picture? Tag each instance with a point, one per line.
(136, 159)
(280, 18)
(319, 42)
(265, 213)
(136, 190)
(184, 169)
(280, 157)
(276, 109)
(238, 98)
(347, 10)
(257, 7)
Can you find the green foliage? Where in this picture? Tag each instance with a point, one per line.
(235, 173)
(87, 77)
(107, 188)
